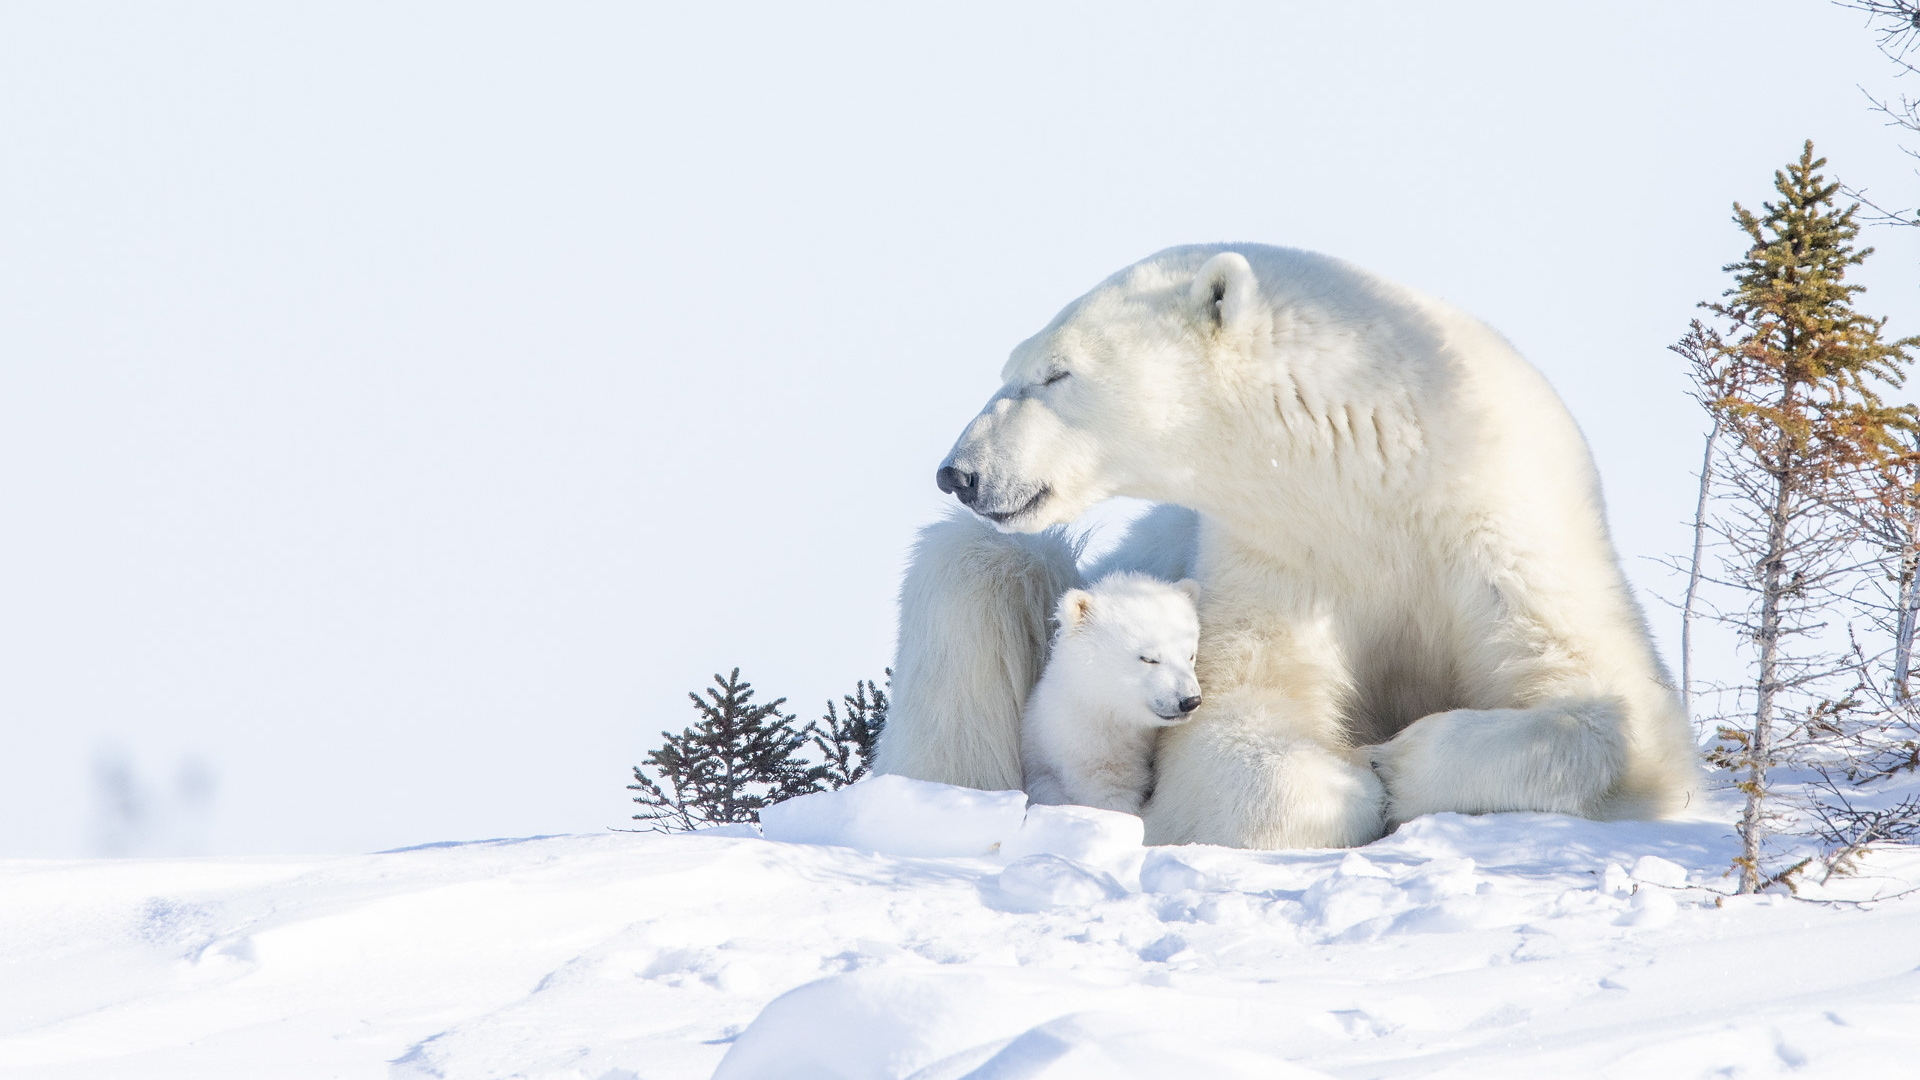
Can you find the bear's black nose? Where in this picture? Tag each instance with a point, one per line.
(964, 486)
(1189, 704)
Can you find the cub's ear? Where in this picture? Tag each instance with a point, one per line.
(1191, 588)
(1226, 292)
(1075, 605)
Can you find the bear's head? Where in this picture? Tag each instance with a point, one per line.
(1103, 400)
(1129, 641)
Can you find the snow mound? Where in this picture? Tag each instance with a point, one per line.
(1109, 1046)
(1049, 882)
(1500, 945)
(956, 1025)
(892, 815)
(1102, 839)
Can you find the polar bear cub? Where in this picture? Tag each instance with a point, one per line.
(1121, 669)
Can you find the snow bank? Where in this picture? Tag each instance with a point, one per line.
(1502, 945)
(958, 1025)
(1103, 839)
(892, 815)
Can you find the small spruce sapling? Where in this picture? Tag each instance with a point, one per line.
(1791, 377)
(738, 758)
(847, 745)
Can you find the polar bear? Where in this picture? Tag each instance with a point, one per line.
(1406, 575)
(1121, 669)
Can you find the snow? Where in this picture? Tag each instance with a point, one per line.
(892, 815)
(1100, 838)
(1050, 947)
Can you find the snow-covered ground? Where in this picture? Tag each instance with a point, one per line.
(1522, 945)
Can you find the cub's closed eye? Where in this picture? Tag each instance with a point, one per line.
(1055, 377)
(1148, 660)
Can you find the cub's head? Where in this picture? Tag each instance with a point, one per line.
(1098, 403)
(1130, 640)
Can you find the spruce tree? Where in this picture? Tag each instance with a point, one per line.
(738, 758)
(846, 746)
(1790, 373)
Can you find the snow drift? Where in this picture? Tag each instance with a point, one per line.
(1049, 946)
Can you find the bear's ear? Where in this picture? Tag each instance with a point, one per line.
(1226, 291)
(1191, 588)
(1075, 605)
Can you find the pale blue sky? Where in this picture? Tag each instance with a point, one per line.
(402, 407)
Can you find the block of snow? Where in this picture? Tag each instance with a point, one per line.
(741, 830)
(1659, 871)
(1046, 882)
(1651, 909)
(1105, 839)
(892, 815)
(1164, 871)
(1615, 880)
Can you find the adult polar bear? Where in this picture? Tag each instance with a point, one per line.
(1406, 568)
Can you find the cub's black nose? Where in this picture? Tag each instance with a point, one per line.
(1187, 705)
(964, 486)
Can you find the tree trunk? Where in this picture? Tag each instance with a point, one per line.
(1909, 606)
(1693, 569)
(1760, 748)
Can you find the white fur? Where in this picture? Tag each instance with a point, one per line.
(1164, 543)
(1120, 671)
(973, 640)
(1557, 758)
(1398, 519)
